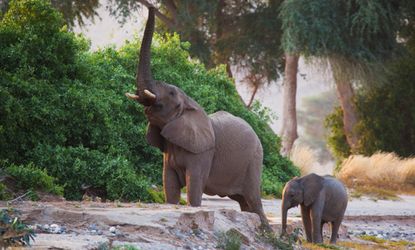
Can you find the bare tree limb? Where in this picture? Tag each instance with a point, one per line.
(20, 197)
(252, 96)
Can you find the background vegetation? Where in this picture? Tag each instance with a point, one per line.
(386, 114)
(63, 110)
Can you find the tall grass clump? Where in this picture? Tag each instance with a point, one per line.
(381, 170)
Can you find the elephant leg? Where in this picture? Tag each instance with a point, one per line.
(171, 185)
(316, 225)
(194, 186)
(255, 206)
(335, 225)
(305, 214)
(242, 202)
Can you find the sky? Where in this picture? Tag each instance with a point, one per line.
(106, 31)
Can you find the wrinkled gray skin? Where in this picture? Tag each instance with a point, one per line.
(218, 154)
(322, 200)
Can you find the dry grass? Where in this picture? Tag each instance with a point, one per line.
(388, 244)
(305, 159)
(381, 170)
(312, 246)
(374, 193)
(372, 243)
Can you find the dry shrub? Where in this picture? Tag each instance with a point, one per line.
(305, 159)
(382, 170)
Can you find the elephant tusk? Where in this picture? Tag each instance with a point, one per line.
(132, 96)
(149, 94)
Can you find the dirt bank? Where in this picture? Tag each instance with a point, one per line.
(88, 225)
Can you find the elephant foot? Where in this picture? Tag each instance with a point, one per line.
(265, 227)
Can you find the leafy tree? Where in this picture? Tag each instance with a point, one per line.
(386, 112)
(72, 10)
(354, 36)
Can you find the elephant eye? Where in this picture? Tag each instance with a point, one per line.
(171, 93)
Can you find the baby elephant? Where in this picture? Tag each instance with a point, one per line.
(322, 200)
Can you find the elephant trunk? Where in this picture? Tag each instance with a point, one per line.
(144, 75)
(284, 210)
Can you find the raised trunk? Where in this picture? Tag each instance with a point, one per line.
(289, 113)
(144, 76)
(345, 94)
(284, 210)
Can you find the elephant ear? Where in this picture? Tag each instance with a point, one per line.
(154, 137)
(192, 131)
(312, 185)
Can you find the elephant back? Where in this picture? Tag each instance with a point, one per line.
(233, 134)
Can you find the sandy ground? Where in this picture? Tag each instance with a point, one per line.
(89, 225)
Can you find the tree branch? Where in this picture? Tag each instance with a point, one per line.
(169, 22)
(20, 197)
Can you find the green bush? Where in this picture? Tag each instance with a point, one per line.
(386, 114)
(79, 167)
(4, 193)
(159, 197)
(29, 177)
(63, 107)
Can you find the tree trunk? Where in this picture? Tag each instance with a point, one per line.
(346, 95)
(251, 100)
(289, 112)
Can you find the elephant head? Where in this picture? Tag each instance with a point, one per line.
(299, 191)
(172, 115)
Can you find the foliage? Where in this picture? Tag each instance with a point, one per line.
(350, 28)
(229, 240)
(159, 197)
(79, 166)
(278, 242)
(13, 232)
(72, 10)
(4, 193)
(336, 139)
(125, 247)
(29, 177)
(386, 113)
(63, 108)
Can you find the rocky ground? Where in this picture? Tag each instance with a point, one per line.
(91, 225)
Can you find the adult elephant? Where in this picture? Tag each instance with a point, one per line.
(218, 154)
(323, 199)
